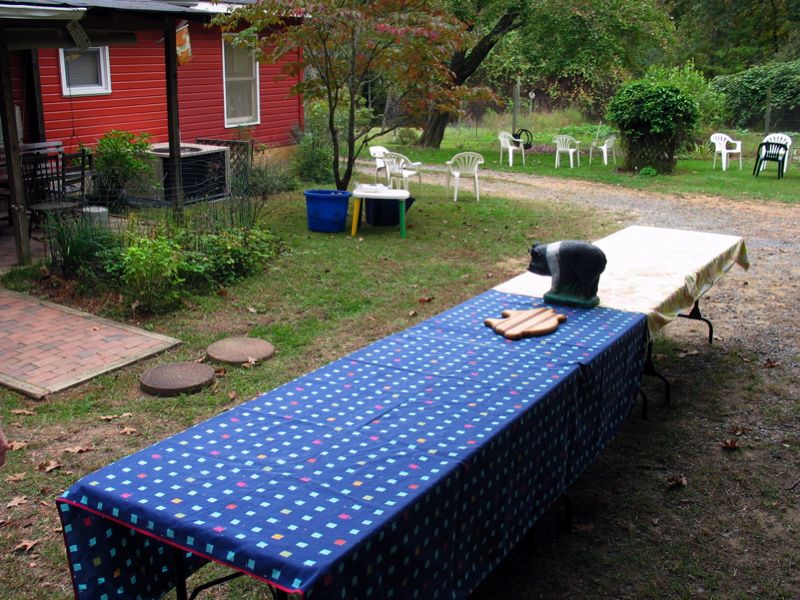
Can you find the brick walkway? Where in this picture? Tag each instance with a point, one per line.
(45, 347)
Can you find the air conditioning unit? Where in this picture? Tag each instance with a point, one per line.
(205, 171)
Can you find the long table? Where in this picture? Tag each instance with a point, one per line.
(407, 469)
(653, 270)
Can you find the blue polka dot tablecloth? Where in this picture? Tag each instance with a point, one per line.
(408, 469)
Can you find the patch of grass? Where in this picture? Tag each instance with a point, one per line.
(693, 175)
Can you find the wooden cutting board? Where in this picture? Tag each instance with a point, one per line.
(518, 324)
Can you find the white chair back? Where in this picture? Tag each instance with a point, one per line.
(565, 142)
(720, 141)
(465, 163)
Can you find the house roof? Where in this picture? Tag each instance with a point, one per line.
(122, 5)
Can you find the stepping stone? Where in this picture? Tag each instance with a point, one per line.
(240, 350)
(176, 378)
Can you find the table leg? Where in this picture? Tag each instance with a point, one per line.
(696, 315)
(180, 575)
(356, 216)
(402, 205)
(650, 369)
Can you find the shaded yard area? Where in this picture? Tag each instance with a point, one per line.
(665, 512)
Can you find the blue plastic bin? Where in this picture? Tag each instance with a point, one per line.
(327, 210)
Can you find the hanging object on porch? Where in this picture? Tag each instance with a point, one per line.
(183, 45)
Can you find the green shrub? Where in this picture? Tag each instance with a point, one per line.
(150, 270)
(652, 119)
(406, 136)
(711, 103)
(78, 244)
(746, 94)
(121, 160)
(647, 172)
(271, 177)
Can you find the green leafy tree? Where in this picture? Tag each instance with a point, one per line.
(341, 45)
(747, 93)
(725, 37)
(653, 119)
(121, 158)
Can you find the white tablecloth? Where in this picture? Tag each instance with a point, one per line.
(659, 272)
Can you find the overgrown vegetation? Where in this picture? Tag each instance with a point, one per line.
(652, 119)
(121, 160)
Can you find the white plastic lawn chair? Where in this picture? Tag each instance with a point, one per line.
(465, 163)
(510, 144)
(780, 138)
(566, 144)
(377, 153)
(607, 148)
(725, 146)
(399, 168)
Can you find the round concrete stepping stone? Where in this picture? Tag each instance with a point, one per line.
(176, 378)
(240, 350)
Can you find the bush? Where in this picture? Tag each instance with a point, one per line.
(313, 158)
(78, 244)
(406, 136)
(120, 159)
(271, 177)
(711, 103)
(150, 270)
(653, 119)
(746, 94)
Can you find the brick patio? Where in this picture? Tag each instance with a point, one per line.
(45, 347)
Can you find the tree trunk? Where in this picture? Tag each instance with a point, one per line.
(434, 130)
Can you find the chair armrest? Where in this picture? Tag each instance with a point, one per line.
(737, 145)
(415, 164)
(449, 163)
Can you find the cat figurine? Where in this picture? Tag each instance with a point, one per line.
(575, 268)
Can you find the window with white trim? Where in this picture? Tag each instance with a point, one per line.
(85, 73)
(240, 75)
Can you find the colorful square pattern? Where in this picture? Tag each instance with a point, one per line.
(407, 469)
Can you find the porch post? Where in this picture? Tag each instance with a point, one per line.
(19, 214)
(175, 180)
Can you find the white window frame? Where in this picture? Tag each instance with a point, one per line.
(230, 124)
(88, 90)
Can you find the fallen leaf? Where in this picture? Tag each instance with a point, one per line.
(78, 449)
(687, 353)
(425, 299)
(114, 417)
(95, 328)
(731, 444)
(412, 313)
(25, 546)
(489, 275)
(655, 520)
(50, 465)
(250, 309)
(677, 481)
(231, 395)
(22, 411)
(202, 359)
(17, 444)
(17, 501)
(221, 372)
(222, 292)
(128, 431)
(768, 364)
(739, 430)
(16, 477)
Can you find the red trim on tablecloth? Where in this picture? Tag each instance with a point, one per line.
(168, 543)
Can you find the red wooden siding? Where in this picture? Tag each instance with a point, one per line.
(202, 108)
(138, 96)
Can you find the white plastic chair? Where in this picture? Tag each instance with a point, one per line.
(509, 143)
(566, 144)
(377, 153)
(606, 148)
(780, 138)
(722, 146)
(465, 163)
(400, 168)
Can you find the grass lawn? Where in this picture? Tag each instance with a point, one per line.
(329, 294)
(693, 175)
(636, 536)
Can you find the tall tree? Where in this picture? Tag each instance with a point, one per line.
(486, 22)
(341, 45)
(579, 50)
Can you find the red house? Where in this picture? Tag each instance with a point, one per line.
(125, 77)
(223, 92)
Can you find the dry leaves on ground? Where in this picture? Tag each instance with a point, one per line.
(24, 412)
(25, 546)
(15, 477)
(17, 444)
(77, 449)
(115, 417)
(17, 501)
(677, 481)
(731, 444)
(50, 465)
(128, 431)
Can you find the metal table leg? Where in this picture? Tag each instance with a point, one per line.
(650, 369)
(696, 315)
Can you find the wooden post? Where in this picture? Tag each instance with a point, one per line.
(175, 179)
(19, 213)
(515, 115)
(768, 111)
